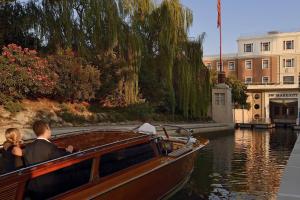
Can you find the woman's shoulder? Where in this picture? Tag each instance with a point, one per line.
(17, 151)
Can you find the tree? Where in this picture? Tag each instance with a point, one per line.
(141, 48)
(192, 86)
(239, 89)
(15, 25)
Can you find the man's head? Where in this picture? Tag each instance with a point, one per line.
(41, 129)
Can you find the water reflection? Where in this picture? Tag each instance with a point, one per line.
(244, 164)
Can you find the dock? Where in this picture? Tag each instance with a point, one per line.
(256, 125)
(290, 182)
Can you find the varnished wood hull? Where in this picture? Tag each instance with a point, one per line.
(157, 183)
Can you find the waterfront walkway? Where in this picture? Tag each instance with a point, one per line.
(196, 127)
(290, 182)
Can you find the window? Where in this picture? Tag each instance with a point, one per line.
(287, 45)
(124, 158)
(248, 80)
(66, 178)
(231, 65)
(256, 116)
(220, 98)
(288, 62)
(248, 64)
(288, 80)
(265, 79)
(265, 46)
(256, 106)
(248, 47)
(265, 63)
(219, 66)
(256, 96)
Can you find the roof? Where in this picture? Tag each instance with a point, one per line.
(270, 34)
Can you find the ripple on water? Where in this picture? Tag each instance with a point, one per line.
(245, 164)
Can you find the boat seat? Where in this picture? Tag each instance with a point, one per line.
(180, 151)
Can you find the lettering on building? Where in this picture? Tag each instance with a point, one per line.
(280, 95)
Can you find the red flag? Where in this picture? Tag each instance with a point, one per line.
(219, 14)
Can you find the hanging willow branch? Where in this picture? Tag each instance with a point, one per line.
(192, 84)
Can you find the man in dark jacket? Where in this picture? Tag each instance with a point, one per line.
(39, 151)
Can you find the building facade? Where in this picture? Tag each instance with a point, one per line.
(269, 64)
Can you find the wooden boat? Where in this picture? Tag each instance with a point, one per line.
(110, 165)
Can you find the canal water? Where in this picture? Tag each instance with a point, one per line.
(243, 164)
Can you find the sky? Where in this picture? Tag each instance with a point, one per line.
(240, 18)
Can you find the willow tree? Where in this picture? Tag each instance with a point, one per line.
(164, 77)
(54, 22)
(163, 30)
(14, 25)
(192, 83)
(174, 21)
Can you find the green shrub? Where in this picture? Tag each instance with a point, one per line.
(139, 112)
(96, 108)
(13, 107)
(64, 107)
(72, 118)
(80, 108)
(5, 98)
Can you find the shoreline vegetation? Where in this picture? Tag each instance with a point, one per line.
(115, 60)
(82, 114)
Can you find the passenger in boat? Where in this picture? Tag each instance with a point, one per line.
(12, 152)
(39, 151)
(42, 149)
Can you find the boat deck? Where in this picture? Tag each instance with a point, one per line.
(88, 140)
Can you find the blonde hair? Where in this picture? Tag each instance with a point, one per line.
(13, 137)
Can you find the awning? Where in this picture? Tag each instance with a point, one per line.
(284, 101)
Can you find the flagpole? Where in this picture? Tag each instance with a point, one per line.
(221, 75)
(220, 30)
